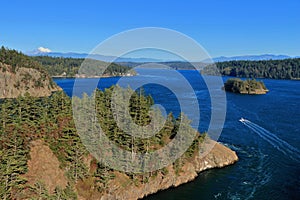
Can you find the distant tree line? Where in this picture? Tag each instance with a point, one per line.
(177, 65)
(56, 66)
(275, 69)
(17, 60)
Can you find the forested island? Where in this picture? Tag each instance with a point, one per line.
(42, 155)
(237, 85)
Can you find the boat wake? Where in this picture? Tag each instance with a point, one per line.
(258, 174)
(272, 139)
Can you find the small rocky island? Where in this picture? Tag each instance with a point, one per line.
(237, 85)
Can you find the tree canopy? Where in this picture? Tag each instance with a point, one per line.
(69, 67)
(50, 119)
(275, 69)
(17, 59)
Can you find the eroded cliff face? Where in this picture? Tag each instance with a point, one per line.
(121, 187)
(220, 156)
(24, 80)
(44, 166)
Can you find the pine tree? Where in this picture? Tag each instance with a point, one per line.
(74, 153)
(13, 163)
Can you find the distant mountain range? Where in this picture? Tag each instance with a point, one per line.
(252, 57)
(46, 52)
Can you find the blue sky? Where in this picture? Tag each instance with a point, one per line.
(223, 28)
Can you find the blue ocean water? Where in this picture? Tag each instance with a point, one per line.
(268, 145)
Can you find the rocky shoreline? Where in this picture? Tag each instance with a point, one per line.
(121, 188)
(220, 156)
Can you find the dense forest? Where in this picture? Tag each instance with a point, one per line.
(275, 69)
(50, 119)
(69, 67)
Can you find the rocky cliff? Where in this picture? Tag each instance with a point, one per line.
(22, 80)
(121, 187)
(220, 156)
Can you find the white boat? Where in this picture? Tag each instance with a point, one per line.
(242, 120)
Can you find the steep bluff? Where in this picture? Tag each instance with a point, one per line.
(121, 187)
(16, 82)
(220, 156)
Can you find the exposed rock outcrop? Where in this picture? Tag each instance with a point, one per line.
(44, 167)
(220, 156)
(25, 80)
